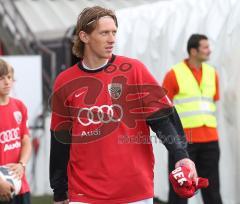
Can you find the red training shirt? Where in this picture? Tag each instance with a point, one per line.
(13, 126)
(118, 166)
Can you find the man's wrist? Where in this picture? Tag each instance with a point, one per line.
(184, 162)
(181, 154)
(22, 164)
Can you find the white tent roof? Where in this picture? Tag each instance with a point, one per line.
(49, 19)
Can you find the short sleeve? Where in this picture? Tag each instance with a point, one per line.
(155, 97)
(170, 84)
(24, 123)
(60, 117)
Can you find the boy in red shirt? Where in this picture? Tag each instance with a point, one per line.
(15, 146)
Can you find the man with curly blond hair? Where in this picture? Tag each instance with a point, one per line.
(102, 108)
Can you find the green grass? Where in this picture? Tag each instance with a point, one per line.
(42, 200)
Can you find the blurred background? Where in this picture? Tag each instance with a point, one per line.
(36, 38)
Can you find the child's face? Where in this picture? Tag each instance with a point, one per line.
(6, 82)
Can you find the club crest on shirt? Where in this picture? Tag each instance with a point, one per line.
(18, 116)
(115, 90)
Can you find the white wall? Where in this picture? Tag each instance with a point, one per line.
(28, 84)
(157, 34)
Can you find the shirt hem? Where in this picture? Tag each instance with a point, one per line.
(119, 201)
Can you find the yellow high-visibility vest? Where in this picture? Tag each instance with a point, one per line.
(195, 104)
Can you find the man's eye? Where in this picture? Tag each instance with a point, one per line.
(104, 33)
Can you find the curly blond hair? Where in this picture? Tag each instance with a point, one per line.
(87, 22)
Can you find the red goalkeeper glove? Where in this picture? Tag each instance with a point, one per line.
(183, 185)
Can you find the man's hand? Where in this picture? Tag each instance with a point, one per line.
(189, 164)
(184, 186)
(17, 169)
(61, 202)
(5, 191)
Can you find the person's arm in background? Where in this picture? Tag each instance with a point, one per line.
(216, 98)
(19, 168)
(217, 95)
(170, 84)
(26, 149)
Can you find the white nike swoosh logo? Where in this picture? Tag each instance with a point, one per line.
(77, 95)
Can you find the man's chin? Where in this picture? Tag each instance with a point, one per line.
(205, 59)
(108, 55)
(5, 93)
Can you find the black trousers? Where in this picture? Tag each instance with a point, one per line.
(20, 199)
(206, 158)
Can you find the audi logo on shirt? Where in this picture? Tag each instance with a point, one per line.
(87, 103)
(10, 139)
(9, 135)
(100, 114)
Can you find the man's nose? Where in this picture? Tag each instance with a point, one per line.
(111, 37)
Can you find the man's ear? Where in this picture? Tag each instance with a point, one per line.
(193, 52)
(83, 36)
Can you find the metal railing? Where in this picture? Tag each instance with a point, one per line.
(29, 44)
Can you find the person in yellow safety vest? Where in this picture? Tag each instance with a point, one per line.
(193, 87)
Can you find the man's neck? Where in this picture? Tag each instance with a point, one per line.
(94, 63)
(4, 99)
(195, 63)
